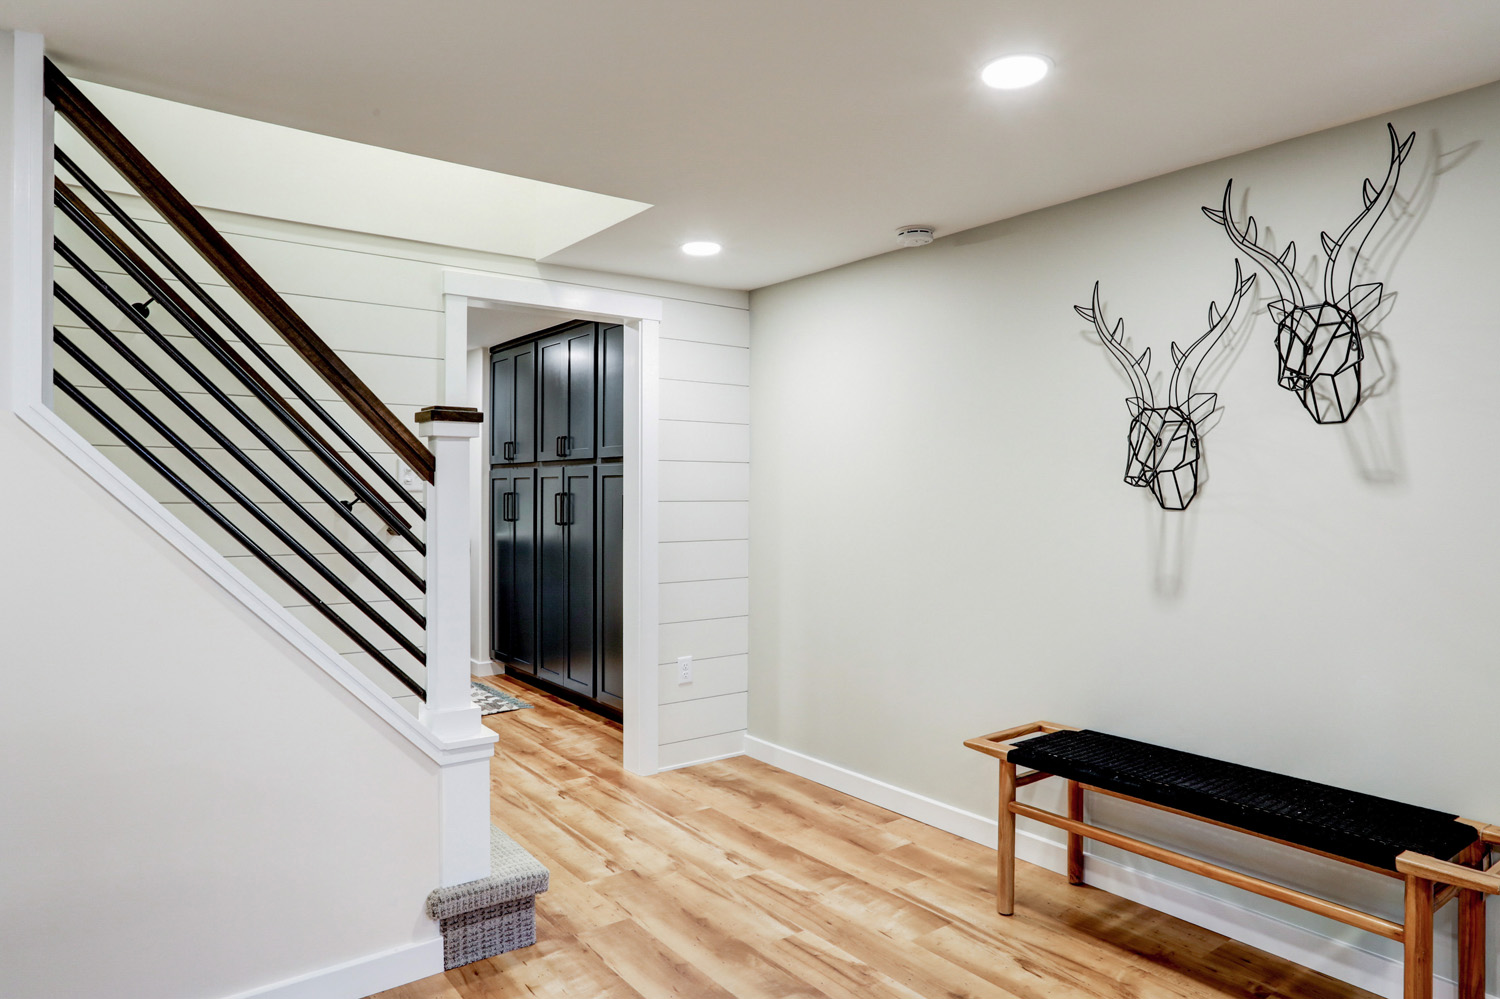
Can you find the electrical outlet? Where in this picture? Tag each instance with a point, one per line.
(408, 477)
(684, 669)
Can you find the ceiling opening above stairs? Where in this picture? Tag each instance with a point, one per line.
(234, 164)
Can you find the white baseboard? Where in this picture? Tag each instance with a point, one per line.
(485, 667)
(1335, 958)
(694, 763)
(361, 977)
(707, 749)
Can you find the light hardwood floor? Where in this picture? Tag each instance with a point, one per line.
(735, 879)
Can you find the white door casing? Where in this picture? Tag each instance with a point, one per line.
(463, 380)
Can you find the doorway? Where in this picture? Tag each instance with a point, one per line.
(486, 310)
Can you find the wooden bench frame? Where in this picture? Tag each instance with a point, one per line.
(1430, 882)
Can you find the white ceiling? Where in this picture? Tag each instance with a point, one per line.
(799, 133)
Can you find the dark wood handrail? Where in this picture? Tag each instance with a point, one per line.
(122, 154)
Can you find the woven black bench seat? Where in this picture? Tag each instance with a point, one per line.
(1360, 827)
(1438, 856)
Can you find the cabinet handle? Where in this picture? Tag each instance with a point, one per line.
(557, 510)
(510, 450)
(512, 511)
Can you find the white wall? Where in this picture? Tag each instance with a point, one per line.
(943, 546)
(704, 441)
(192, 808)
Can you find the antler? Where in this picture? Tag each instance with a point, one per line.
(1281, 269)
(1179, 392)
(1136, 368)
(1338, 275)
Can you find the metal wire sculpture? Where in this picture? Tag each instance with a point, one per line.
(1319, 347)
(1164, 441)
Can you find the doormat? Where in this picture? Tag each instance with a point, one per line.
(492, 701)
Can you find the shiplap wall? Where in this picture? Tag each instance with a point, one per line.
(379, 302)
(704, 440)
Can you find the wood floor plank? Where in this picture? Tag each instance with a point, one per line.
(723, 938)
(735, 880)
(652, 968)
(836, 973)
(875, 945)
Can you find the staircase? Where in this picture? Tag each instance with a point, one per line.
(178, 380)
(236, 423)
(178, 361)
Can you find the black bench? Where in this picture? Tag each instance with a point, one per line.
(1439, 856)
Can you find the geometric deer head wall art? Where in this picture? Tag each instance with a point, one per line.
(1164, 442)
(1318, 345)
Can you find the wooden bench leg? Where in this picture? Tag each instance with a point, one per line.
(1075, 841)
(1470, 945)
(1418, 938)
(1005, 872)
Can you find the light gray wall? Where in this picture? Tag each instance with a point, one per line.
(942, 544)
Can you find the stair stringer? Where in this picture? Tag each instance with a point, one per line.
(444, 752)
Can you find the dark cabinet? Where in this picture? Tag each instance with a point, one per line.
(513, 405)
(611, 585)
(557, 438)
(513, 566)
(566, 386)
(611, 391)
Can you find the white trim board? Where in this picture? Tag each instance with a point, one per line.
(361, 977)
(1335, 958)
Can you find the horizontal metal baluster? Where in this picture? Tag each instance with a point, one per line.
(235, 493)
(209, 302)
(222, 439)
(144, 453)
(219, 396)
(267, 399)
(201, 330)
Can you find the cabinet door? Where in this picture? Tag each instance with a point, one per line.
(578, 510)
(513, 568)
(567, 394)
(552, 576)
(513, 405)
(611, 585)
(565, 580)
(611, 391)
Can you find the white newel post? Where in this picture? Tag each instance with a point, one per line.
(449, 711)
(25, 225)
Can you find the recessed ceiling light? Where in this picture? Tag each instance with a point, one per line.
(1015, 72)
(701, 249)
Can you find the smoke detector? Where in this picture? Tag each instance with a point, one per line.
(914, 235)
